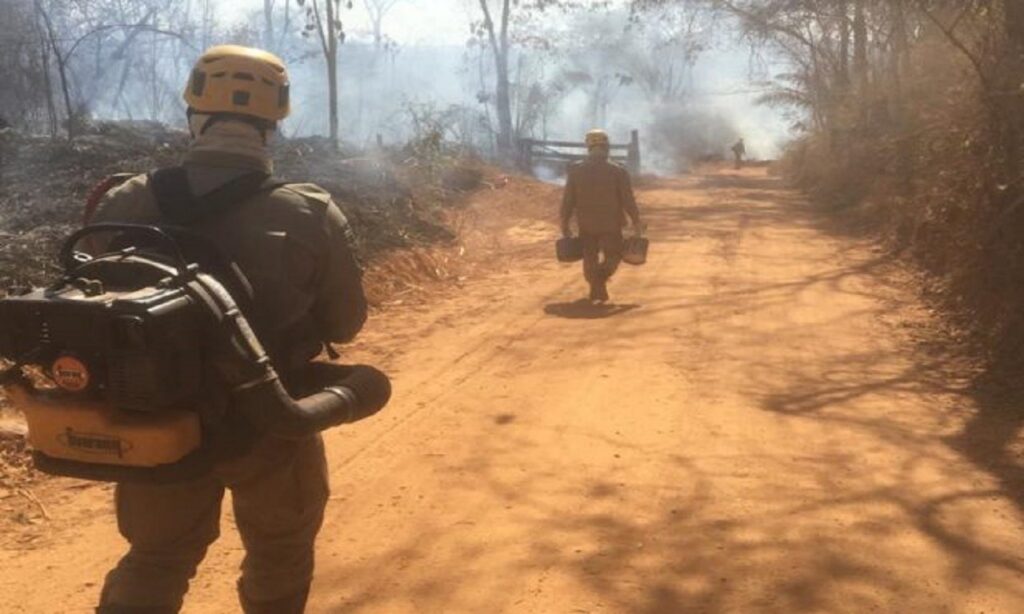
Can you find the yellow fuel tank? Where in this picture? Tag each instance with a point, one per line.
(90, 432)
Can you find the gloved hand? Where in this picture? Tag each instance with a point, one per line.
(639, 228)
(566, 232)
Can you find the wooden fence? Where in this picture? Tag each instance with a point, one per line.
(533, 153)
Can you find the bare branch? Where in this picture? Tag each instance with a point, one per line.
(950, 34)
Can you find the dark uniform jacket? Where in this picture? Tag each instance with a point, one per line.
(294, 246)
(600, 194)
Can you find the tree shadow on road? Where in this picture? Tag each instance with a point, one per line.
(850, 391)
(740, 182)
(583, 309)
(991, 438)
(804, 527)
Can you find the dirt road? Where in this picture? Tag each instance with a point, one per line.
(757, 425)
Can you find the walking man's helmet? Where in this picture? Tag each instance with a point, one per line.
(243, 82)
(597, 138)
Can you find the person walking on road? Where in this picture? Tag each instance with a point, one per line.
(295, 246)
(599, 194)
(739, 150)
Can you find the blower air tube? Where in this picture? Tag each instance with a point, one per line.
(362, 393)
(342, 394)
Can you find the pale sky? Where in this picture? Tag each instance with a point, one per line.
(723, 72)
(409, 22)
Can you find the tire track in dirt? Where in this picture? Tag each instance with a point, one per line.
(752, 429)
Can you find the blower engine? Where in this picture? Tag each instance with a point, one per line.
(121, 367)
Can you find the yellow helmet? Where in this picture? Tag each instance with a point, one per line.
(241, 80)
(597, 138)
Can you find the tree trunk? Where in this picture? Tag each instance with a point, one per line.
(332, 71)
(329, 33)
(844, 44)
(504, 106)
(860, 44)
(503, 102)
(286, 26)
(898, 54)
(1013, 106)
(268, 25)
(378, 32)
(51, 105)
(332, 83)
(122, 83)
(481, 67)
(898, 49)
(1014, 15)
(61, 70)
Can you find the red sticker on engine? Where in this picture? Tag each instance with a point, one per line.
(70, 374)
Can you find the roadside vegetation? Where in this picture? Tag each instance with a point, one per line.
(910, 122)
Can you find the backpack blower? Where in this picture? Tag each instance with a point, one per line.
(129, 367)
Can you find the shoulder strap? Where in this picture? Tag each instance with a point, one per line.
(92, 202)
(179, 206)
(181, 211)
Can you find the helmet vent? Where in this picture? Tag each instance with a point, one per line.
(198, 82)
(241, 80)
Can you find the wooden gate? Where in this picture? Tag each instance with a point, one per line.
(533, 153)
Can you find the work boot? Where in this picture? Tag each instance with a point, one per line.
(599, 292)
(594, 292)
(114, 608)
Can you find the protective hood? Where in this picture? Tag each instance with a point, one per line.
(228, 143)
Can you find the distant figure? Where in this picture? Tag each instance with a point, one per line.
(738, 151)
(599, 194)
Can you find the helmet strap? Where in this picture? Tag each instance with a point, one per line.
(262, 125)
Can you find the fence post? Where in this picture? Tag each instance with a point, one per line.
(633, 157)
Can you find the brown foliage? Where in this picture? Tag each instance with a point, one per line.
(926, 147)
(392, 199)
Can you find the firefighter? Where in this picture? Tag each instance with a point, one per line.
(738, 151)
(598, 193)
(295, 246)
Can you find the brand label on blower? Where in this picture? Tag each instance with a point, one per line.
(94, 443)
(70, 374)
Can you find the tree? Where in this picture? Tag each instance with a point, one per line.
(23, 66)
(498, 37)
(86, 40)
(378, 10)
(51, 38)
(597, 57)
(323, 18)
(272, 37)
(659, 51)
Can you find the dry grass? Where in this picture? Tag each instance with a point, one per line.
(930, 173)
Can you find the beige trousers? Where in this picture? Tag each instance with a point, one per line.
(279, 492)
